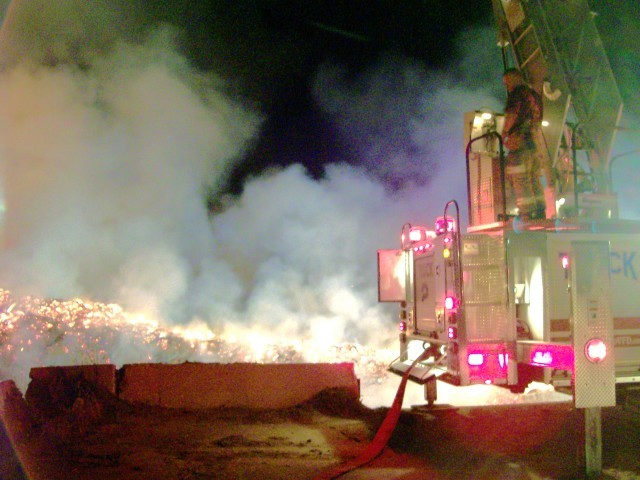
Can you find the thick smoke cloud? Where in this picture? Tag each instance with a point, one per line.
(108, 152)
(305, 253)
(105, 171)
(406, 122)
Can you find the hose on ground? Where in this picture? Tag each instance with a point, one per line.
(382, 435)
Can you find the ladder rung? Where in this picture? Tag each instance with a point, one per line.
(535, 52)
(526, 31)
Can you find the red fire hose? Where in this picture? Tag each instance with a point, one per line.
(382, 435)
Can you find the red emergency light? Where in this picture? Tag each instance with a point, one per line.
(419, 238)
(415, 234)
(488, 363)
(445, 225)
(419, 234)
(542, 358)
(475, 359)
(422, 248)
(452, 333)
(544, 354)
(595, 350)
(450, 303)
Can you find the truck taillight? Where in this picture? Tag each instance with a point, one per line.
(475, 359)
(452, 333)
(445, 225)
(450, 303)
(595, 350)
(420, 234)
(422, 248)
(415, 234)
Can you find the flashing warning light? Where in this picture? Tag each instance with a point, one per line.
(402, 326)
(488, 363)
(450, 303)
(503, 358)
(419, 238)
(544, 358)
(445, 225)
(595, 350)
(452, 333)
(415, 234)
(419, 234)
(475, 359)
(559, 356)
(422, 248)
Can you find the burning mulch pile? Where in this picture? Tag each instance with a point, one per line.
(72, 430)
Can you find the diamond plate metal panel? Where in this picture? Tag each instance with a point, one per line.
(482, 249)
(592, 318)
(485, 288)
(487, 323)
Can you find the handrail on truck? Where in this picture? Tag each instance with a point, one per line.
(502, 176)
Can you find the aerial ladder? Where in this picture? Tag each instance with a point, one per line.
(557, 47)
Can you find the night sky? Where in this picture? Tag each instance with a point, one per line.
(271, 50)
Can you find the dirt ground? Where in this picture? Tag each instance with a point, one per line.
(95, 436)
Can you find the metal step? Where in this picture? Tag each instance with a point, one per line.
(419, 374)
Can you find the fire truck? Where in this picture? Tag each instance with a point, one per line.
(514, 300)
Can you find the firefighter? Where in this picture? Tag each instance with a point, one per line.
(522, 136)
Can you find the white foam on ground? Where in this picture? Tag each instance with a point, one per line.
(382, 394)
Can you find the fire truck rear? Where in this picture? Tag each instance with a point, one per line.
(510, 301)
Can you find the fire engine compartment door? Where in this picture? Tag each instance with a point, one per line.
(592, 319)
(391, 276)
(425, 273)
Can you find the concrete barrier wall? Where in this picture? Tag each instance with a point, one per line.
(248, 385)
(8, 389)
(208, 385)
(102, 376)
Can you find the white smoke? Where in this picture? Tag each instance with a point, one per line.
(105, 171)
(305, 252)
(406, 122)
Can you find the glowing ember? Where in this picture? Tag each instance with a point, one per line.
(45, 332)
